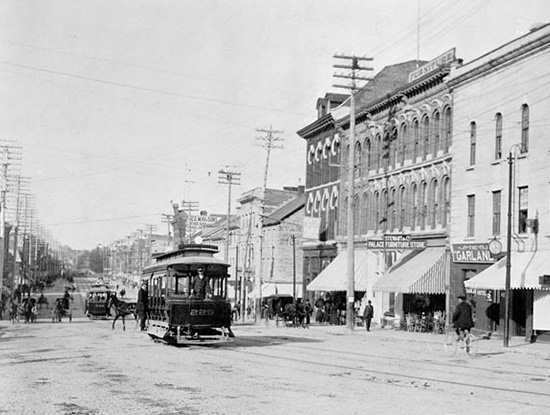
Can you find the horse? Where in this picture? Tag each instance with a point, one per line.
(122, 309)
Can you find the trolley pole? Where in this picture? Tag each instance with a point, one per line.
(354, 68)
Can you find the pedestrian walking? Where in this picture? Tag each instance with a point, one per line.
(308, 310)
(368, 314)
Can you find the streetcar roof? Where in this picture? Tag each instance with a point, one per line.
(175, 262)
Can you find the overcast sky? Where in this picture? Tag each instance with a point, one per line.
(122, 106)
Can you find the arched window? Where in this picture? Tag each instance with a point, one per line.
(524, 128)
(416, 140)
(436, 126)
(498, 136)
(473, 138)
(401, 208)
(384, 211)
(414, 204)
(447, 129)
(376, 224)
(425, 142)
(434, 204)
(364, 213)
(446, 201)
(403, 143)
(394, 147)
(358, 160)
(392, 210)
(367, 150)
(423, 205)
(386, 151)
(379, 152)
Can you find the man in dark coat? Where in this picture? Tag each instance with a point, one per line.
(462, 316)
(368, 314)
(142, 305)
(201, 287)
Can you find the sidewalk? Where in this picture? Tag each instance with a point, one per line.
(517, 344)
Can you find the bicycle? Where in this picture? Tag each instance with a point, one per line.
(465, 341)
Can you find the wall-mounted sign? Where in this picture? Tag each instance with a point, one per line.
(472, 253)
(396, 242)
(447, 57)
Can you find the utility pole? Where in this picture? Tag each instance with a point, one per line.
(229, 178)
(189, 207)
(353, 66)
(268, 142)
(169, 219)
(150, 228)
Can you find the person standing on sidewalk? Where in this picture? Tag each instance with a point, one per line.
(368, 314)
(142, 305)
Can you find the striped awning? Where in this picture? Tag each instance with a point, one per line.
(421, 272)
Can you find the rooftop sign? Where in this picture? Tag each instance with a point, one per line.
(431, 66)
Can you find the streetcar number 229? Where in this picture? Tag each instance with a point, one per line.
(202, 312)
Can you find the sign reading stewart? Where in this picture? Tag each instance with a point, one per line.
(396, 242)
(478, 253)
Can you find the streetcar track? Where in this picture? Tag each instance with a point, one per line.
(390, 374)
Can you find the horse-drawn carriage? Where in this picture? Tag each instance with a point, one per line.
(62, 308)
(25, 311)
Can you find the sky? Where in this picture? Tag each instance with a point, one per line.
(121, 107)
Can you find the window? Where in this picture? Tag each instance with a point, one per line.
(376, 215)
(364, 215)
(498, 136)
(403, 141)
(497, 200)
(434, 202)
(392, 210)
(368, 153)
(386, 151)
(414, 204)
(416, 141)
(425, 137)
(446, 201)
(523, 210)
(470, 229)
(423, 204)
(394, 148)
(435, 133)
(379, 151)
(447, 125)
(524, 128)
(472, 143)
(400, 208)
(358, 161)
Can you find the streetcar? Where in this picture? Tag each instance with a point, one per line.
(177, 312)
(97, 301)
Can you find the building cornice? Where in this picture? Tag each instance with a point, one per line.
(320, 125)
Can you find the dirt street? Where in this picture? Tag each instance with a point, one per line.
(84, 367)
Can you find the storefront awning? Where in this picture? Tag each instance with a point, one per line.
(272, 288)
(526, 268)
(422, 272)
(335, 276)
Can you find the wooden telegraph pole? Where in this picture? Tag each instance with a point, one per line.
(353, 66)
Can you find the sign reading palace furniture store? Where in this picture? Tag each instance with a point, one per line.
(396, 242)
(468, 253)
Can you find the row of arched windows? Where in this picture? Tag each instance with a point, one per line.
(406, 141)
(418, 206)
